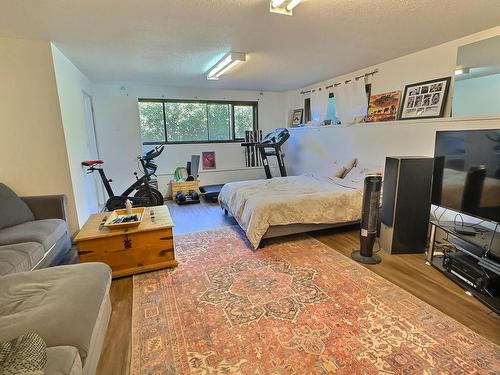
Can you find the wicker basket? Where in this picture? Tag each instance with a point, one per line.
(184, 186)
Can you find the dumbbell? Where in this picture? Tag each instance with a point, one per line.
(180, 196)
(194, 195)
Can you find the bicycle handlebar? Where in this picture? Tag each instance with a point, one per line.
(151, 154)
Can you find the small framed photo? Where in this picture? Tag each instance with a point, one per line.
(425, 99)
(297, 117)
(384, 107)
(208, 159)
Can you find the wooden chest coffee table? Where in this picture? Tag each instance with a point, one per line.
(150, 246)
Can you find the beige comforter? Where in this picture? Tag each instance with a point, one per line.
(305, 199)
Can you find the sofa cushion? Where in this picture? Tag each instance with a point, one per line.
(14, 210)
(61, 303)
(20, 257)
(22, 355)
(63, 360)
(6, 268)
(45, 232)
(12, 261)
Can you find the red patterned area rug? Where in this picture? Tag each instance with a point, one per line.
(293, 307)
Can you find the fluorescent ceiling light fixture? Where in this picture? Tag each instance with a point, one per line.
(292, 4)
(462, 71)
(223, 65)
(276, 3)
(283, 6)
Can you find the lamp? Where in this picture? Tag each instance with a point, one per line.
(223, 65)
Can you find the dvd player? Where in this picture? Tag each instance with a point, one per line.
(468, 270)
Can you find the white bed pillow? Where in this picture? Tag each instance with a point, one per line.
(349, 165)
(338, 169)
(360, 171)
(323, 171)
(334, 169)
(356, 185)
(341, 167)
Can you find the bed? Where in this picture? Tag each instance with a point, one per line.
(295, 204)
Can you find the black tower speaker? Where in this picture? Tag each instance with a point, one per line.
(406, 204)
(369, 220)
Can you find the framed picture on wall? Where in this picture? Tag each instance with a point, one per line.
(208, 159)
(297, 117)
(425, 99)
(383, 107)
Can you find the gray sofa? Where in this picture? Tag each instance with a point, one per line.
(33, 231)
(68, 306)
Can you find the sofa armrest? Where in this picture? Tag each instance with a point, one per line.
(47, 206)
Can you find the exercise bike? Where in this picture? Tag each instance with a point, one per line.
(145, 194)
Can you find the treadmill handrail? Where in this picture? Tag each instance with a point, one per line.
(273, 141)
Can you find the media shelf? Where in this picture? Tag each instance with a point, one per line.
(475, 249)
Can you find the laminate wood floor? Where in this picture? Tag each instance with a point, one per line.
(407, 271)
(198, 217)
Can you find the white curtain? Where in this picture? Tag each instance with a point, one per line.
(319, 103)
(350, 101)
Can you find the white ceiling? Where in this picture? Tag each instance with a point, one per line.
(174, 42)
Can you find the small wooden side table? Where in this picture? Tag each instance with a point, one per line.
(148, 247)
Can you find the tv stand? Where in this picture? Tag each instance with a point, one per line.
(466, 230)
(465, 259)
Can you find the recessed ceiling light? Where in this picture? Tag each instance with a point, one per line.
(283, 6)
(223, 65)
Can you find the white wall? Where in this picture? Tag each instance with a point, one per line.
(477, 96)
(435, 62)
(71, 85)
(310, 147)
(374, 141)
(117, 122)
(32, 146)
(371, 143)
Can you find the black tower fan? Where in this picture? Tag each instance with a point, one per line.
(369, 220)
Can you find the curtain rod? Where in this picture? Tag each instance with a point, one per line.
(339, 83)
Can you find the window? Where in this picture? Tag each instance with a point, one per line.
(195, 121)
(307, 110)
(331, 106)
(331, 110)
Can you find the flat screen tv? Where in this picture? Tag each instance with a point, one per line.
(467, 172)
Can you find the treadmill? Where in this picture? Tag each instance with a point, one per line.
(270, 145)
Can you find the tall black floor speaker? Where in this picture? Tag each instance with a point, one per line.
(406, 204)
(369, 220)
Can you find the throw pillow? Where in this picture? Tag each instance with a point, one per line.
(25, 355)
(331, 170)
(14, 210)
(348, 166)
(360, 171)
(339, 170)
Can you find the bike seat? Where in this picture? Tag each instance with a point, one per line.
(90, 163)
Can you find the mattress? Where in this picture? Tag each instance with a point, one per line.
(306, 199)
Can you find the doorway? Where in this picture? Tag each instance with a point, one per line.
(93, 184)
